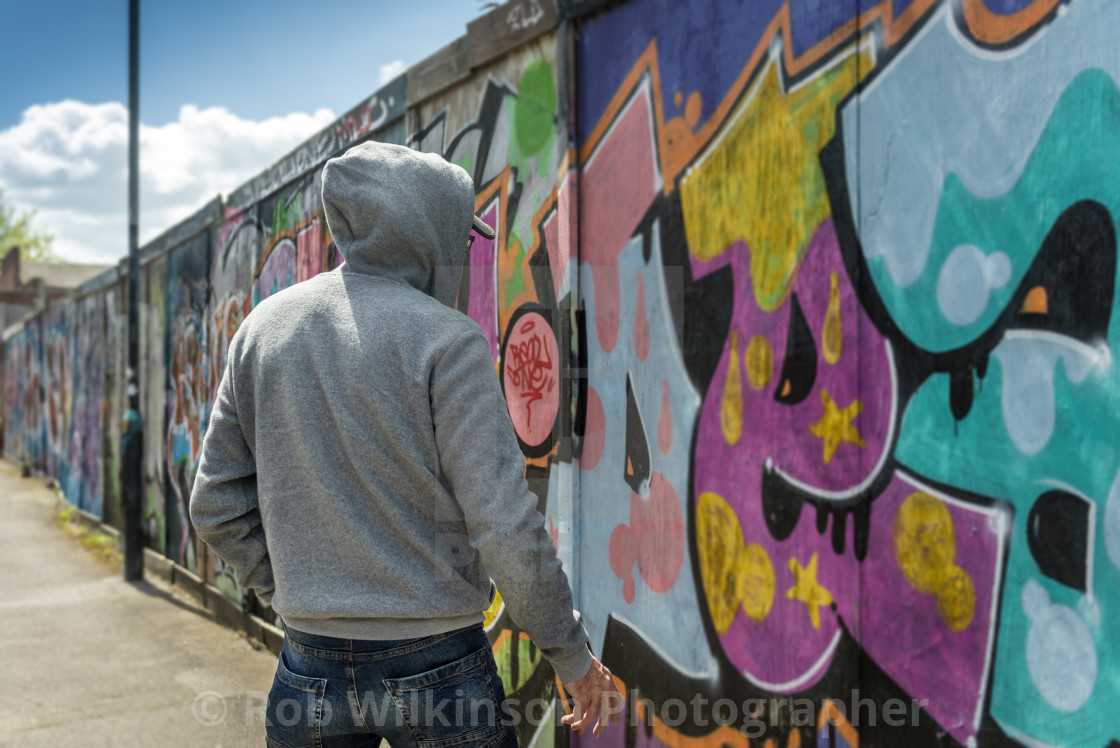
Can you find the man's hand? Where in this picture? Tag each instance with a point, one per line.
(596, 696)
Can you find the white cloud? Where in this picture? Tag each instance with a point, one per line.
(391, 71)
(69, 162)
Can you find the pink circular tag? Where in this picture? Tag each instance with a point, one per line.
(531, 377)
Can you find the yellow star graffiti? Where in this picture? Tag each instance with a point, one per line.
(835, 427)
(808, 590)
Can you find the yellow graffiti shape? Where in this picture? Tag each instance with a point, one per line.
(808, 590)
(491, 614)
(925, 547)
(720, 541)
(760, 181)
(731, 573)
(832, 336)
(835, 426)
(759, 362)
(925, 544)
(756, 582)
(731, 407)
(956, 601)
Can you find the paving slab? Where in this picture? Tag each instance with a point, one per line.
(91, 660)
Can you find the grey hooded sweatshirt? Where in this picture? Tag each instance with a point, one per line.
(360, 470)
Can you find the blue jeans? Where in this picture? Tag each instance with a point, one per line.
(436, 692)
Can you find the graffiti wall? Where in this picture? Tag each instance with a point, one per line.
(152, 293)
(501, 125)
(24, 394)
(56, 399)
(802, 312)
(848, 283)
(112, 412)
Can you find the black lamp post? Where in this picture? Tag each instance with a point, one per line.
(133, 432)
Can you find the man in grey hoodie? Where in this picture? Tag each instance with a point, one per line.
(360, 472)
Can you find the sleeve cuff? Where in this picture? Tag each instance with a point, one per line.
(574, 666)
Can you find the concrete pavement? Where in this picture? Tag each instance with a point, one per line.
(88, 659)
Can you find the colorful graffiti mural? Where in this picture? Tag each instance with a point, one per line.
(802, 312)
(188, 387)
(55, 397)
(502, 127)
(854, 522)
(153, 404)
(985, 386)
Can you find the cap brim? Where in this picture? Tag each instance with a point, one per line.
(483, 228)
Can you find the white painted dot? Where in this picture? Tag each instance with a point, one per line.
(1061, 655)
(1035, 600)
(964, 284)
(998, 270)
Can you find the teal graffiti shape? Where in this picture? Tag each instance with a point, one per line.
(1075, 159)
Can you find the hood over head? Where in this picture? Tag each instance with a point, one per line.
(400, 214)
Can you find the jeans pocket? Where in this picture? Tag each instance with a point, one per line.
(453, 705)
(295, 708)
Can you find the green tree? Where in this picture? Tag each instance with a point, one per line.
(16, 231)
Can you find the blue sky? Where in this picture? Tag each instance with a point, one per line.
(226, 88)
